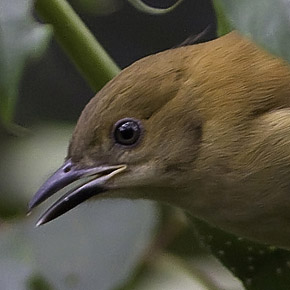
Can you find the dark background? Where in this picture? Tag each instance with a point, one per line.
(52, 88)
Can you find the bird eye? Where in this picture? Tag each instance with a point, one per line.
(127, 131)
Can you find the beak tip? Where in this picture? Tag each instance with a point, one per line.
(39, 223)
(33, 203)
(29, 208)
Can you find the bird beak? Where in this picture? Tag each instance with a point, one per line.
(65, 175)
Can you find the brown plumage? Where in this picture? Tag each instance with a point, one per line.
(209, 131)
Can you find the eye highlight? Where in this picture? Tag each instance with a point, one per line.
(127, 131)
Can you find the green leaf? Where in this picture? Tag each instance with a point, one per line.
(223, 25)
(266, 22)
(138, 4)
(20, 39)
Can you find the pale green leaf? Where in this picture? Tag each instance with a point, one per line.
(20, 39)
(95, 246)
(266, 22)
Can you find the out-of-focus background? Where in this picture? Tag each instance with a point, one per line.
(106, 245)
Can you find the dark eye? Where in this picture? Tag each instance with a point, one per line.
(127, 131)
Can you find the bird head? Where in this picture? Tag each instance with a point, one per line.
(137, 135)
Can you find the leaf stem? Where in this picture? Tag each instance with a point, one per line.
(84, 50)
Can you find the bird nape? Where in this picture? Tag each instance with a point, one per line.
(204, 127)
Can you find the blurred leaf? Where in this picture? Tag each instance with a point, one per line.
(171, 272)
(95, 246)
(267, 22)
(26, 162)
(140, 5)
(37, 282)
(20, 38)
(223, 25)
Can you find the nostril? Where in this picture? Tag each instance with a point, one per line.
(67, 169)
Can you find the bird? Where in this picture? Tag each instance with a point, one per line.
(204, 127)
